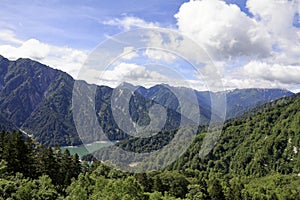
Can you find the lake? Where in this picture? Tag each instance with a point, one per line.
(88, 148)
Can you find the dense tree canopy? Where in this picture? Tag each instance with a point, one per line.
(256, 157)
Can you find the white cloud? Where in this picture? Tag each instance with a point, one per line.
(286, 74)
(223, 30)
(278, 17)
(140, 75)
(268, 43)
(129, 53)
(232, 83)
(295, 90)
(63, 58)
(130, 72)
(160, 55)
(31, 48)
(259, 74)
(173, 45)
(127, 23)
(8, 37)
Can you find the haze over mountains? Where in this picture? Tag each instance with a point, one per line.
(259, 142)
(38, 100)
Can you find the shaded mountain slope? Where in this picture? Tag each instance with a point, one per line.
(38, 100)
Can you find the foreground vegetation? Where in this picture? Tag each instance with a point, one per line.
(257, 157)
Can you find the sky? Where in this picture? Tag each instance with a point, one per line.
(252, 43)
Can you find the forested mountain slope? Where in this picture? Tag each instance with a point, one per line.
(263, 141)
(256, 158)
(38, 100)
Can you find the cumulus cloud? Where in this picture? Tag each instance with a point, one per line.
(129, 72)
(266, 45)
(129, 53)
(140, 75)
(278, 17)
(259, 74)
(228, 33)
(128, 22)
(287, 74)
(172, 45)
(223, 30)
(160, 55)
(232, 83)
(31, 48)
(63, 58)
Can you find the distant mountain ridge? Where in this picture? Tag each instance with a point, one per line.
(262, 141)
(238, 101)
(38, 100)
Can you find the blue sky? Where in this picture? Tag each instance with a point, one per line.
(252, 43)
(78, 24)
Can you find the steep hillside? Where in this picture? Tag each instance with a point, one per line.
(6, 125)
(257, 157)
(262, 142)
(23, 86)
(52, 122)
(37, 99)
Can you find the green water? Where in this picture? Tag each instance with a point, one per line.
(86, 149)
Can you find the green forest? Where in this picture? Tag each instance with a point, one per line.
(256, 157)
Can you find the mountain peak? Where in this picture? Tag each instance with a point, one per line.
(38, 99)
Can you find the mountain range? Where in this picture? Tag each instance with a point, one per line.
(260, 142)
(37, 99)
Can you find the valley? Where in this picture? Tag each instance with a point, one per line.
(38, 100)
(150, 100)
(83, 150)
(255, 156)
